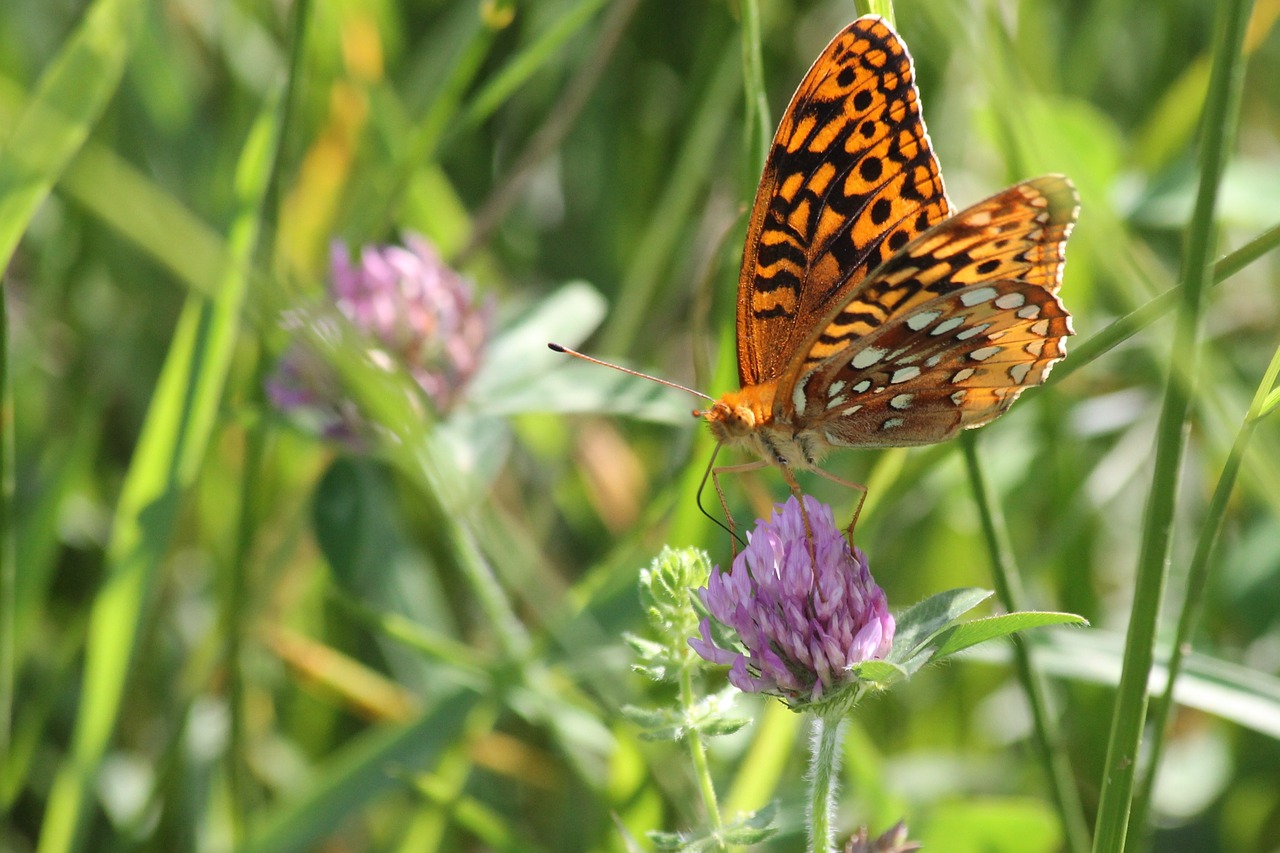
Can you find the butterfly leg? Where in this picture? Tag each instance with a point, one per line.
(714, 474)
(790, 477)
(857, 507)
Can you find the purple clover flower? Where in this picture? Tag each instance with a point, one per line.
(414, 308)
(803, 617)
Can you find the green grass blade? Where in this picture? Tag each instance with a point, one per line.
(883, 8)
(534, 57)
(1140, 318)
(1197, 581)
(1004, 572)
(8, 566)
(172, 445)
(757, 124)
(549, 137)
(689, 173)
(71, 95)
(1129, 717)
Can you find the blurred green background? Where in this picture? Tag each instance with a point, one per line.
(222, 632)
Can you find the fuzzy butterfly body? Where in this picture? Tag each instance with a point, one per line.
(869, 313)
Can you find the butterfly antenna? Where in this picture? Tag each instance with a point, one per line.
(726, 528)
(669, 384)
(703, 485)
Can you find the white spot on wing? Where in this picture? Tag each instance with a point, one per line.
(1010, 300)
(836, 402)
(890, 423)
(851, 410)
(867, 357)
(916, 322)
(946, 326)
(1041, 328)
(861, 387)
(969, 333)
(903, 374)
(958, 397)
(1019, 372)
(835, 387)
(962, 374)
(1029, 312)
(1035, 347)
(902, 401)
(984, 353)
(977, 295)
(798, 398)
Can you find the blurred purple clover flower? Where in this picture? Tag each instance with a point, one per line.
(803, 617)
(414, 308)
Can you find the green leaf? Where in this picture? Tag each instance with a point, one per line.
(354, 525)
(1270, 403)
(576, 387)
(666, 840)
(650, 719)
(519, 354)
(646, 649)
(358, 526)
(710, 716)
(922, 621)
(752, 827)
(521, 374)
(879, 673)
(748, 828)
(969, 634)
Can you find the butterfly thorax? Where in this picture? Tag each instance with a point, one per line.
(745, 419)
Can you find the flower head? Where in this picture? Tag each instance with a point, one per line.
(414, 308)
(804, 611)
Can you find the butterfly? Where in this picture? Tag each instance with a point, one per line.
(870, 313)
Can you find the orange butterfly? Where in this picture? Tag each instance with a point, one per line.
(870, 314)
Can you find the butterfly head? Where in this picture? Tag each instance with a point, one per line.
(745, 419)
(739, 414)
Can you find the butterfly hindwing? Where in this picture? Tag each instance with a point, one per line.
(958, 361)
(850, 178)
(969, 306)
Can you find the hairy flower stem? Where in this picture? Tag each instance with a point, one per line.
(698, 753)
(824, 774)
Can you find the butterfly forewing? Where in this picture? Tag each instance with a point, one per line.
(850, 179)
